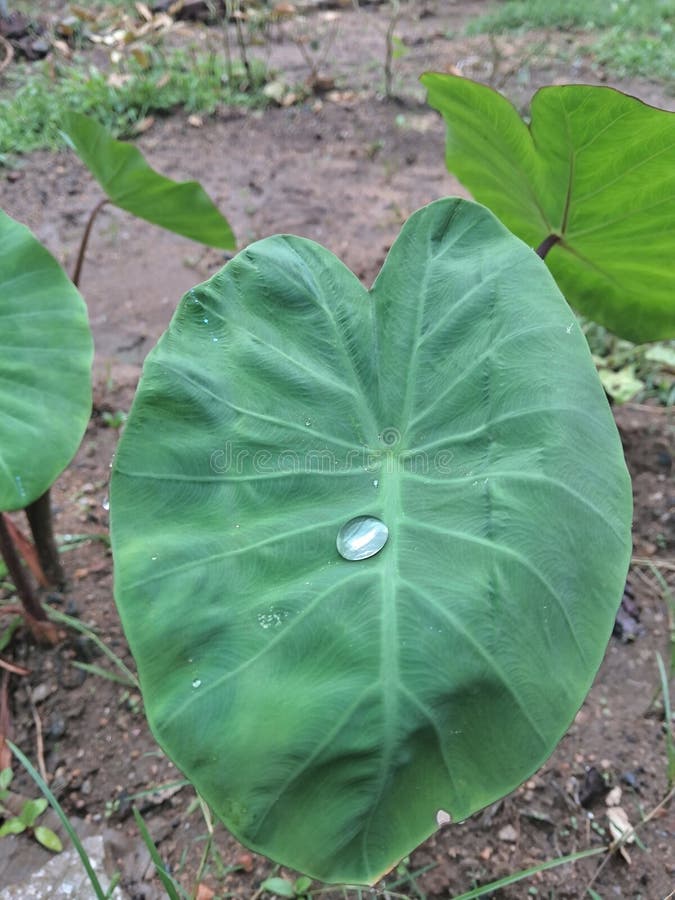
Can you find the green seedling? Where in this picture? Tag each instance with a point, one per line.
(26, 818)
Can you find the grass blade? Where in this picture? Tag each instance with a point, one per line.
(57, 616)
(172, 888)
(105, 673)
(667, 715)
(527, 873)
(56, 806)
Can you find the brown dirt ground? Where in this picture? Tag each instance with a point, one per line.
(345, 169)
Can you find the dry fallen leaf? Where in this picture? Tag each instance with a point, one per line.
(620, 829)
(613, 798)
(143, 11)
(144, 125)
(141, 56)
(195, 121)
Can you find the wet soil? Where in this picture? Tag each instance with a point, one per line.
(345, 168)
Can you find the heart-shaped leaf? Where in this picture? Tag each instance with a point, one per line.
(46, 351)
(131, 184)
(594, 171)
(335, 712)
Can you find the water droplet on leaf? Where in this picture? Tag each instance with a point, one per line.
(105, 503)
(197, 683)
(362, 537)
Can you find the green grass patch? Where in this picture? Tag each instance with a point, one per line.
(32, 106)
(636, 37)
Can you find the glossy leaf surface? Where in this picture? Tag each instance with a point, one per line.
(133, 185)
(596, 168)
(328, 709)
(46, 351)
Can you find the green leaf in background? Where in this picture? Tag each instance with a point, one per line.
(133, 185)
(595, 168)
(334, 712)
(46, 352)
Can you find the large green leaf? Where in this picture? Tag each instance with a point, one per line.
(596, 168)
(46, 350)
(328, 709)
(133, 185)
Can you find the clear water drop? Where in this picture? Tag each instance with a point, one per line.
(197, 683)
(361, 537)
(205, 321)
(375, 482)
(153, 558)
(19, 484)
(308, 423)
(105, 503)
(215, 340)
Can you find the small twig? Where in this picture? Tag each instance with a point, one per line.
(495, 60)
(241, 42)
(13, 667)
(5, 722)
(657, 563)
(389, 49)
(625, 836)
(39, 742)
(9, 53)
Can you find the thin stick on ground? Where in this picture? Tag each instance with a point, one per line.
(611, 850)
(39, 742)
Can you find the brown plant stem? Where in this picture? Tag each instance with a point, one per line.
(546, 245)
(24, 589)
(85, 240)
(39, 516)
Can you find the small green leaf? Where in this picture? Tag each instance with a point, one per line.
(12, 826)
(6, 776)
(133, 185)
(46, 351)
(662, 354)
(279, 886)
(48, 838)
(596, 168)
(621, 385)
(31, 810)
(302, 884)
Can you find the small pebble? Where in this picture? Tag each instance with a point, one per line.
(508, 834)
